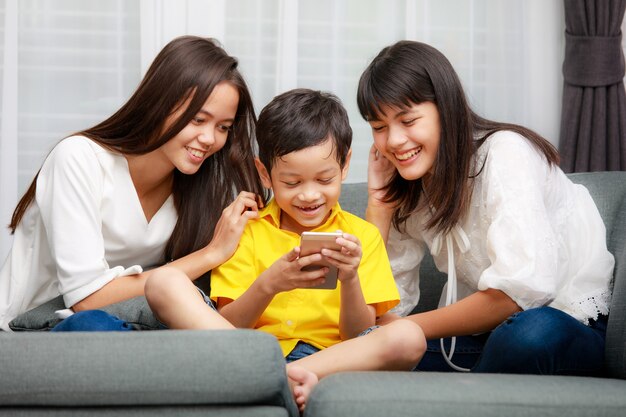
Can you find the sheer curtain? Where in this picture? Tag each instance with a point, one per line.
(66, 64)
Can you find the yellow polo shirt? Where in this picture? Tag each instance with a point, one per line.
(309, 315)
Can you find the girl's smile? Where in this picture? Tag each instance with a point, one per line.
(409, 138)
(196, 155)
(205, 134)
(409, 155)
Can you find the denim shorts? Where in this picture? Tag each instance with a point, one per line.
(368, 330)
(301, 350)
(304, 349)
(207, 299)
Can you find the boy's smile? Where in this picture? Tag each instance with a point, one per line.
(306, 185)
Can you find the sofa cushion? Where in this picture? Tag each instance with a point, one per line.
(148, 411)
(135, 311)
(183, 367)
(433, 394)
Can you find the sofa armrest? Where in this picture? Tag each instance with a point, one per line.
(170, 367)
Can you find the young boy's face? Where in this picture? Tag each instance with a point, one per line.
(306, 185)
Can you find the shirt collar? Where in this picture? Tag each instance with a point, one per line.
(271, 212)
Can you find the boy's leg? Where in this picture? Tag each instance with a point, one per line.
(177, 303)
(398, 345)
(544, 341)
(92, 321)
(301, 381)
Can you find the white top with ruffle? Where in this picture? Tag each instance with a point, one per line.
(529, 232)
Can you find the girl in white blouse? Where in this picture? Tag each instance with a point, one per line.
(524, 248)
(153, 183)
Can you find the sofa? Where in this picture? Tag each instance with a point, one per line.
(242, 372)
(366, 394)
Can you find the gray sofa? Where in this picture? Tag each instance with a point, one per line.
(146, 373)
(482, 395)
(241, 373)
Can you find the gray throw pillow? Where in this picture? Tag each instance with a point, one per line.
(134, 311)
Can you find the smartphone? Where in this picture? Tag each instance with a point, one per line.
(314, 242)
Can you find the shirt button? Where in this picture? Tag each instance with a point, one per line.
(289, 323)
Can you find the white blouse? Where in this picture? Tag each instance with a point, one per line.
(85, 228)
(529, 232)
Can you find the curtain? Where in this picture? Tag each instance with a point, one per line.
(593, 121)
(67, 64)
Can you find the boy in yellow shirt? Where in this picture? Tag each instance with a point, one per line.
(304, 143)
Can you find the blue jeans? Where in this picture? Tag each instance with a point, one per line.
(304, 349)
(100, 321)
(92, 321)
(541, 340)
(301, 350)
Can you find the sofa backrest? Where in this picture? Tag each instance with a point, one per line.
(354, 200)
(608, 190)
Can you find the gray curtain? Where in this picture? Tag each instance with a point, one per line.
(593, 119)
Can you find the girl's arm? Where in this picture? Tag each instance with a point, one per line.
(123, 288)
(379, 216)
(119, 289)
(225, 240)
(477, 313)
(379, 213)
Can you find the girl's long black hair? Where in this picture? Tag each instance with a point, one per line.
(408, 73)
(187, 67)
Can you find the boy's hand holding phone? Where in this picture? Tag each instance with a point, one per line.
(321, 259)
(347, 259)
(341, 253)
(292, 271)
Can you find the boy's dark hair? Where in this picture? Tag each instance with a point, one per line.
(299, 119)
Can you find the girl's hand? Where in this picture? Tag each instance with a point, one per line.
(379, 173)
(231, 224)
(348, 259)
(286, 273)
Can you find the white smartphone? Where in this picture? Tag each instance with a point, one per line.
(314, 242)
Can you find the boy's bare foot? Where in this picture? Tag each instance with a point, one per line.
(301, 381)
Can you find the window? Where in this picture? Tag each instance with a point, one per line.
(74, 62)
